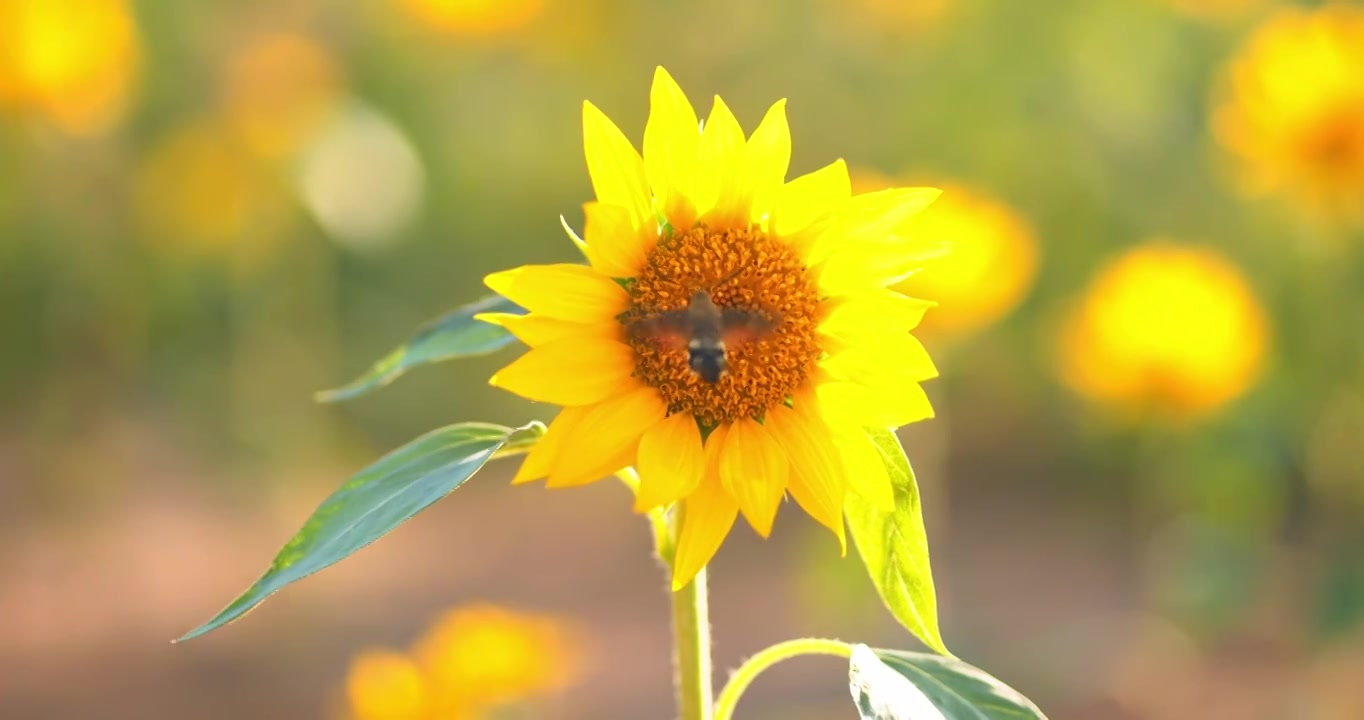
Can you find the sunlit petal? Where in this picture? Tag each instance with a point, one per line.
(894, 359)
(810, 196)
(672, 146)
(603, 432)
(856, 404)
(708, 515)
(754, 470)
(872, 217)
(615, 245)
(769, 156)
(542, 456)
(671, 462)
(616, 168)
(535, 329)
(722, 199)
(567, 292)
(576, 370)
(873, 313)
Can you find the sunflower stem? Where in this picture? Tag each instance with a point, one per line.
(691, 638)
(658, 518)
(754, 666)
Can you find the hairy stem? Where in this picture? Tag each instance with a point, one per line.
(754, 666)
(691, 637)
(691, 615)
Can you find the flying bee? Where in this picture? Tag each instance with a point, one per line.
(706, 330)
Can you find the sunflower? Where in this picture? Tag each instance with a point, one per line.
(805, 264)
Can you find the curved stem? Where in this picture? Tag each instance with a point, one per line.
(754, 666)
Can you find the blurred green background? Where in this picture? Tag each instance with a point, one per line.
(1144, 486)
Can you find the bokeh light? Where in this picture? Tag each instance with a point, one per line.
(362, 179)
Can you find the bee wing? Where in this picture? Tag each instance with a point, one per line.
(668, 328)
(740, 326)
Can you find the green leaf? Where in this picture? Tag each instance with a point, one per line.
(381, 497)
(894, 546)
(454, 335)
(896, 685)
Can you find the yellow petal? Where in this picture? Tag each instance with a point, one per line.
(707, 516)
(887, 362)
(817, 481)
(565, 291)
(576, 370)
(754, 470)
(879, 311)
(604, 431)
(616, 168)
(535, 330)
(854, 404)
(872, 217)
(855, 266)
(826, 509)
(808, 197)
(672, 146)
(671, 462)
(603, 467)
(769, 156)
(615, 246)
(865, 469)
(722, 199)
(577, 241)
(541, 458)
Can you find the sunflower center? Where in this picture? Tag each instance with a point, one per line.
(748, 276)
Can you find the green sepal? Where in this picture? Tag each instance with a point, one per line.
(897, 685)
(378, 499)
(894, 546)
(454, 335)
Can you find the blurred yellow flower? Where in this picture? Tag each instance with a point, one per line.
(484, 656)
(1294, 110)
(385, 685)
(200, 192)
(987, 266)
(280, 90)
(69, 60)
(1165, 330)
(475, 17)
(473, 660)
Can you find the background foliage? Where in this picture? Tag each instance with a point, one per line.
(1143, 489)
